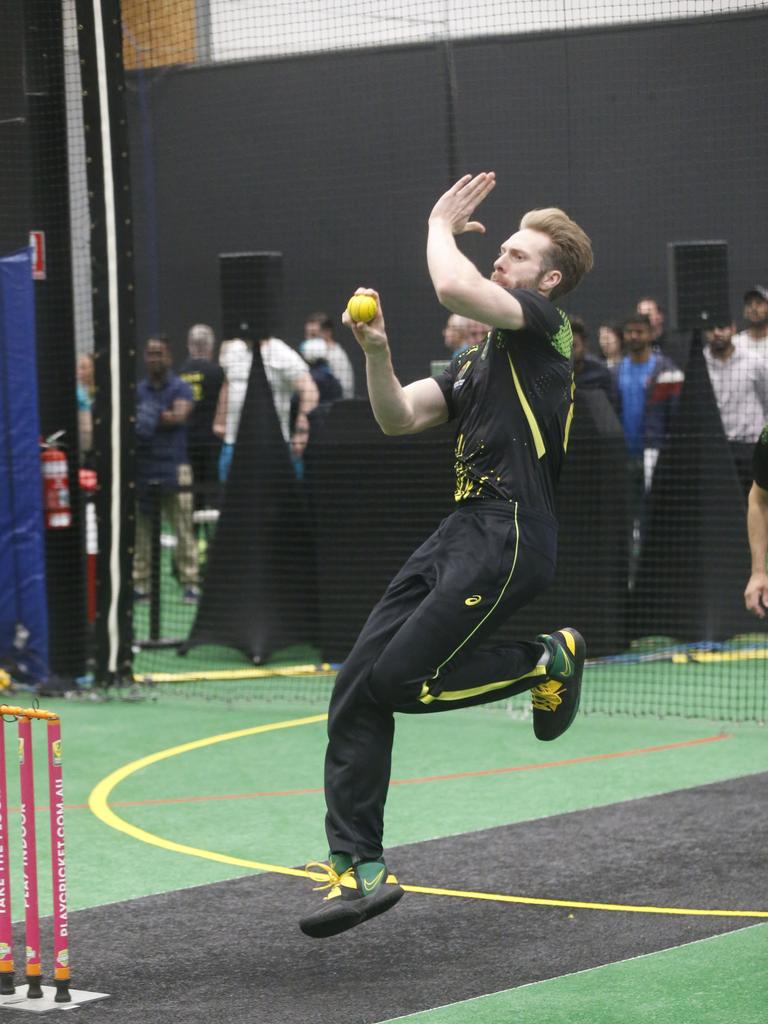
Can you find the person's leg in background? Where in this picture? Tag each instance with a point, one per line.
(141, 553)
(636, 505)
(225, 461)
(742, 461)
(180, 507)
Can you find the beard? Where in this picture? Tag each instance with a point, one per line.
(535, 281)
(530, 283)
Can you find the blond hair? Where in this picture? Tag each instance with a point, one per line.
(571, 248)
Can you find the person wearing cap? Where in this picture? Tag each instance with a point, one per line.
(754, 338)
(650, 307)
(740, 384)
(756, 593)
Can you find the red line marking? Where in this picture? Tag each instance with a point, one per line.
(443, 778)
(411, 782)
(570, 761)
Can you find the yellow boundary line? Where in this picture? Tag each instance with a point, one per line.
(226, 675)
(98, 802)
(710, 657)
(325, 670)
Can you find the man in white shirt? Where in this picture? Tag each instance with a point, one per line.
(286, 372)
(740, 383)
(320, 325)
(754, 337)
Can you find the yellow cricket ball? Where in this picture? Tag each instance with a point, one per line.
(362, 307)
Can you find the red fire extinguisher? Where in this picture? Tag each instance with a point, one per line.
(57, 507)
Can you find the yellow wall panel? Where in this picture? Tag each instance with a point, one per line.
(158, 32)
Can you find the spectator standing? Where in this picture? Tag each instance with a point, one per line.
(651, 308)
(456, 334)
(740, 383)
(315, 353)
(235, 359)
(754, 337)
(86, 390)
(610, 341)
(205, 378)
(320, 325)
(286, 372)
(648, 385)
(756, 594)
(164, 403)
(589, 372)
(478, 332)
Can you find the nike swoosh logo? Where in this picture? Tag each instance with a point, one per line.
(370, 886)
(568, 665)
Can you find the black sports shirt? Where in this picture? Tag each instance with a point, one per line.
(760, 460)
(512, 397)
(205, 378)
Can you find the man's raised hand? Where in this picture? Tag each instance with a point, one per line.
(457, 205)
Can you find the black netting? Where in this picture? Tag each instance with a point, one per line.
(282, 155)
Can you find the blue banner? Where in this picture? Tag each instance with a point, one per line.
(23, 602)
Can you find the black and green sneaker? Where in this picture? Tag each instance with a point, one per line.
(556, 700)
(356, 893)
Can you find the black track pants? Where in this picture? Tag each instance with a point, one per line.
(418, 653)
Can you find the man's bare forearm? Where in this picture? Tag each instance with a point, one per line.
(454, 277)
(757, 527)
(307, 393)
(460, 286)
(388, 400)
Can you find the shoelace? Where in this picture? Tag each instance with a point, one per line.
(546, 696)
(330, 879)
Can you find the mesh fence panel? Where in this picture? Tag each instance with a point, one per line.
(283, 155)
(323, 135)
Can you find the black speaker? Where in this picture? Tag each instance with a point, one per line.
(698, 284)
(251, 288)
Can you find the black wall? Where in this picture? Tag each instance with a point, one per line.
(14, 135)
(645, 134)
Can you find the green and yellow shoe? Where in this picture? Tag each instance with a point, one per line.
(556, 700)
(357, 892)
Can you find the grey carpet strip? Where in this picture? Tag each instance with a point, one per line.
(232, 951)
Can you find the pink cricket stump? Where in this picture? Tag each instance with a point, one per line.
(6, 927)
(29, 859)
(60, 920)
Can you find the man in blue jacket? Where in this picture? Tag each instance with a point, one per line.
(163, 405)
(648, 385)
